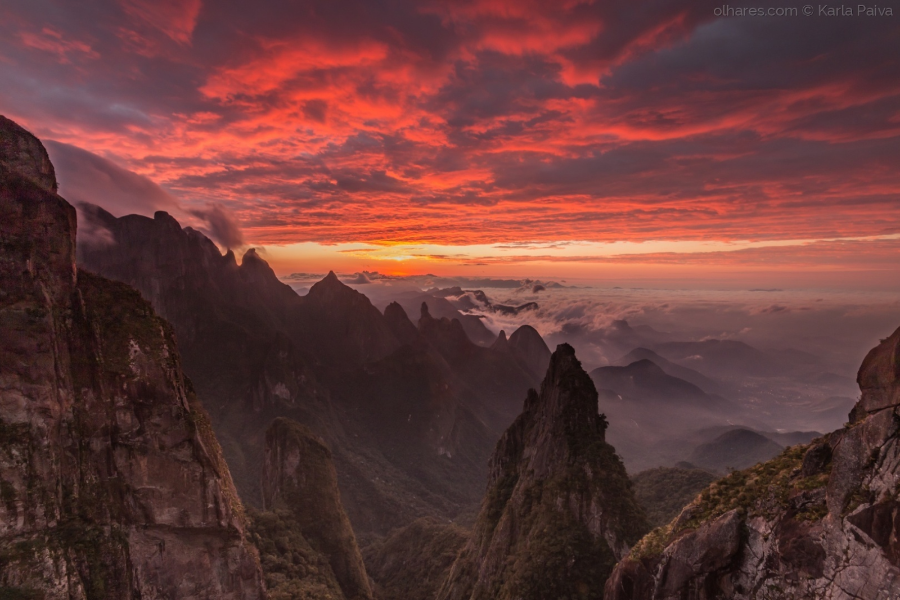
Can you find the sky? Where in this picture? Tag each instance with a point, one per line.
(585, 140)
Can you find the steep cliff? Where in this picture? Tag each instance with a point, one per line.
(559, 509)
(112, 483)
(299, 475)
(820, 521)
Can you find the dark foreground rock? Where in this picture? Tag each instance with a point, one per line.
(820, 521)
(112, 483)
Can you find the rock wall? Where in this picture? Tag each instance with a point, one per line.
(820, 521)
(112, 485)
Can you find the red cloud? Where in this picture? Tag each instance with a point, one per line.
(481, 121)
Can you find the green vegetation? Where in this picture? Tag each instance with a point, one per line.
(19, 593)
(763, 490)
(663, 492)
(412, 562)
(292, 568)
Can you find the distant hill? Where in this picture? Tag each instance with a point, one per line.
(734, 449)
(708, 385)
(646, 381)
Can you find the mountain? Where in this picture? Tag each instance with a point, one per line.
(496, 372)
(703, 382)
(559, 509)
(442, 308)
(818, 521)
(113, 485)
(723, 358)
(299, 476)
(734, 449)
(654, 415)
(530, 349)
(646, 381)
(330, 360)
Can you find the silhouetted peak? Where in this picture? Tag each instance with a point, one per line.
(399, 324)
(164, 218)
(621, 325)
(425, 314)
(330, 287)
(250, 257)
(230, 258)
(501, 343)
(395, 311)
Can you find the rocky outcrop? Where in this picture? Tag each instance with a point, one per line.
(24, 154)
(559, 510)
(299, 475)
(112, 483)
(820, 521)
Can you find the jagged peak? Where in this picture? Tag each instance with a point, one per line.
(230, 258)
(425, 313)
(395, 311)
(501, 343)
(568, 392)
(165, 218)
(330, 285)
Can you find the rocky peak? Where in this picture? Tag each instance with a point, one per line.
(559, 509)
(399, 323)
(23, 153)
(501, 344)
(299, 475)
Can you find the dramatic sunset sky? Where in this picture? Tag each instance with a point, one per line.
(591, 140)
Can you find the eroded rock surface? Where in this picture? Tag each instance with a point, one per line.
(112, 483)
(820, 521)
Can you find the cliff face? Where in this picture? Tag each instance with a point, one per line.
(559, 509)
(820, 521)
(299, 475)
(112, 483)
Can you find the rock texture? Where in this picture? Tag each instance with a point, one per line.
(298, 475)
(559, 510)
(22, 153)
(112, 483)
(820, 521)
